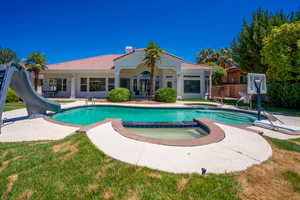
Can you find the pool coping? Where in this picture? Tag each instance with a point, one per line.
(183, 106)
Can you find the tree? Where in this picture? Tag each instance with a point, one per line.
(153, 52)
(281, 52)
(247, 46)
(36, 62)
(7, 55)
(221, 57)
(217, 75)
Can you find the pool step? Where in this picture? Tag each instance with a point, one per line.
(184, 124)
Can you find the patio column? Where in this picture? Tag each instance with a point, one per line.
(73, 85)
(117, 79)
(179, 84)
(106, 85)
(210, 84)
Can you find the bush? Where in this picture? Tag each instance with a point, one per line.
(168, 95)
(119, 95)
(12, 96)
(218, 75)
(284, 94)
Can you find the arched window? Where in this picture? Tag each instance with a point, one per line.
(145, 75)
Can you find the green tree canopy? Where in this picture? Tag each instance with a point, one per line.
(36, 62)
(246, 48)
(7, 55)
(218, 74)
(281, 52)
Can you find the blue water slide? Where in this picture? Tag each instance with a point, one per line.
(17, 77)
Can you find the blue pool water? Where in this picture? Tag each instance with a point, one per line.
(93, 114)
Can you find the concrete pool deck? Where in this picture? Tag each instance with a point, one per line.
(240, 149)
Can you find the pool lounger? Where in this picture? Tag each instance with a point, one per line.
(278, 126)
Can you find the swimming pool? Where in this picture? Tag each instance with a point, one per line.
(169, 133)
(93, 114)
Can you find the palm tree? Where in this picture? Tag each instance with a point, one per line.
(222, 57)
(6, 56)
(204, 56)
(225, 59)
(153, 52)
(36, 62)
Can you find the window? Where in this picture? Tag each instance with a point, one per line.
(191, 76)
(157, 83)
(125, 83)
(58, 84)
(135, 85)
(191, 86)
(97, 84)
(111, 84)
(243, 79)
(169, 84)
(83, 84)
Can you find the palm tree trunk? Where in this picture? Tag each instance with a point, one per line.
(36, 80)
(151, 82)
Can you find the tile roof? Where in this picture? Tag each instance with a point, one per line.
(105, 62)
(143, 49)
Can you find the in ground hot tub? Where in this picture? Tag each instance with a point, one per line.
(169, 133)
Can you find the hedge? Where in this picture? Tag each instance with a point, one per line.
(12, 96)
(284, 94)
(119, 95)
(168, 95)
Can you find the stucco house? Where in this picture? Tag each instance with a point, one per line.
(96, 76)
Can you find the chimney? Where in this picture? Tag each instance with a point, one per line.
(128, 49)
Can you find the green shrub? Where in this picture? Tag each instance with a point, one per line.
(168, 95)
(218, 75)
(284, 94)
(119, 95)
(12, 96)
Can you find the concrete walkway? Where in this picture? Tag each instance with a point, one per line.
(239, 150)
(274, 134)
(22, 129)
(33, 130)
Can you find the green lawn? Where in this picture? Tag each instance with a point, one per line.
(13, 106)
(294, 179)
(74, 169)
(267, 107)
(286, 145)
(18, 105)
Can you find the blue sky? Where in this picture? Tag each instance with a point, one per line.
(68, 30)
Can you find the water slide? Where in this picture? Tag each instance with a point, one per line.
(17, 77)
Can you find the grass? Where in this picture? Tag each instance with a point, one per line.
(73, 168)
(13, 106)
(65, 101)
(294, 179)
(18, 105)
(267, 107)
(286, 145)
